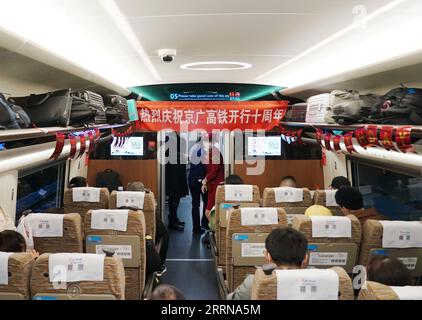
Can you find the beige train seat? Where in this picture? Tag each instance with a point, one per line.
(129, 245)
(326, 198)
(223, 204)
(271, 198)
(375, 241)
(148, 208)
(72, 205)
(265, 286)
(19, 275)
(110, 287)
(51, 238)
(246, 234)
(329, 247)
(377, 291)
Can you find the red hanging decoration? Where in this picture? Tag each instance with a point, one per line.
(361, 138)
(60, 137)
(319, 136)
(327, 141)
(372, 136)
(72, 140)
(82, 139)
(348, 142)
(336, 142)
(403, 139)
(91, 137)
(299, 136)
(386, 137)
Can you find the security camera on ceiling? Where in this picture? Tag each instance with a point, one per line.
(167, 55)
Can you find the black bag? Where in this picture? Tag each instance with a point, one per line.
(12, 116)
(153, 261)
(116, 109)
(81, 113)
(108, 179)
(95, 103)
(48, 109)
(398, 106)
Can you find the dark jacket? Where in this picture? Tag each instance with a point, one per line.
(176, 179)
(197, 170)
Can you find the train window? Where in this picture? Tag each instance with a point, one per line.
(395, 195)
(40, 189)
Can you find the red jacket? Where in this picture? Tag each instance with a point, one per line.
(215, 170)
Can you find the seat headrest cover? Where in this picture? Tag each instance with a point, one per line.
(109, 220)
(408, 292)
(4, 267)
(330, 198)
(46, 225)
(132, 199)
(259, 216)
(331, 227)
(238, 192)
(86, 194)
(307, 284)
(287, 194)
(75, 267)
(401, 234)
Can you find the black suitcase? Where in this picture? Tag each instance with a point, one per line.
(49, 109)
(296, 113)
(116, 109)
(81, 114)
(96, 103)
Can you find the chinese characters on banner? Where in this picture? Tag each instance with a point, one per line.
(253, 115)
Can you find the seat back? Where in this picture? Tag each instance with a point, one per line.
(223, 203)
(328, 248)
(55, 233)
(375, 241)
(287, 197)
(327, 199)
(147, 206)
(19, 268)
(264, 286)
(111, 287)
(129, 245)
(93, 198)
(377, 291)
(246, 240)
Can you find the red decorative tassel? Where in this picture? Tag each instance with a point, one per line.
(60, 137)
(299, 136)
(361, 138)
(348, 142)
(82, 139)
(386, 137)
(327, 140)
(319, 136)
(403, 139)
(336, 143)
(72, 140)
(372, 136)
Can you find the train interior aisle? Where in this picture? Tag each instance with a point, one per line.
(190, 264)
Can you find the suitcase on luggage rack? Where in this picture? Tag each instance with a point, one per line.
(320, 109)
(116, 109)
(96, 103)
(81, 114)
(296, 113)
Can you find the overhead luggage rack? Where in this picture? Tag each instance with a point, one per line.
(23, 134)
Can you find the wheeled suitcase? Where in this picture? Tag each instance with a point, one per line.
(116, 109)
(296, 113)
(96, 103)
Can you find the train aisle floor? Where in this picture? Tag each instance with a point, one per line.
(190, 265)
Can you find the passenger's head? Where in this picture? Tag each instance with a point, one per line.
(78, 182)
(167, 292)
(349, 199)
(339, 182)
(286, 247)
(318, 210)
(288, 181)
(233, 179)
(389, 271)
(135, 186)
(12, 241)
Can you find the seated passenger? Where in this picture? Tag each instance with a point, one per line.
(389, 271)
(161, 234)
(285, 247)
(288, 181)
(12, 241)
(339, 182)
(167, 292)
(349, 200)
(318, 210)
(77, 182)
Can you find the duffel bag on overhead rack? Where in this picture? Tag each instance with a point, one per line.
(95, 103)
(48, 109)
(347, 105)
(81, 114)
(398, 106)
(12, 116)
(320, 109)
(116, 109)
